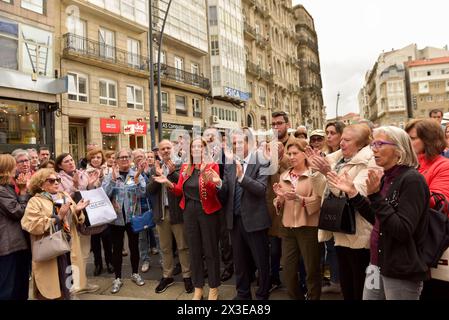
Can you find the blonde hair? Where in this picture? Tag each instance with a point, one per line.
(38, 179)
(7, 165)
(407, 156)
(363, 134)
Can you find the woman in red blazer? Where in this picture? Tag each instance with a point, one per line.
(198, 184)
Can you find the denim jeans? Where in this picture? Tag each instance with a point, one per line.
(331, 260)
(379, 287)
(147, 240)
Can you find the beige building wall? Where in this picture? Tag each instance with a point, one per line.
(313, 113)
(429, 88)
(89, 62)
(272, 64)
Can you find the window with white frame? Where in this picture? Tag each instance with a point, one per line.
(108, 92)
(8, 1)
(164, 102)
(196, 104)
(216, 79)
(33, 5)
(213, 18)
(135, 10)
(133, 52)
(78, 87)
(181, 105)
(214, 48)
(9, 42)
(107, 43)
(262, 96)
(134, 97)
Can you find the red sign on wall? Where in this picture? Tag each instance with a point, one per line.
(110, 125)
(139, 127)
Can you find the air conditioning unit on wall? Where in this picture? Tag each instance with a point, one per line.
(214, 119)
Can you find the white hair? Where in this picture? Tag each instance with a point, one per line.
(407, 156)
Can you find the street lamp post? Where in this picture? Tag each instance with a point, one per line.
(336, 107)
(163, 12)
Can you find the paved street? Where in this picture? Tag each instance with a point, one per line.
(130, 291)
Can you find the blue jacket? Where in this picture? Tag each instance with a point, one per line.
(125, 196)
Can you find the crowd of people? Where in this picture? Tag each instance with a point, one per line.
(207, 208)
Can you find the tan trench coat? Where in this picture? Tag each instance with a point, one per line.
(37, 221)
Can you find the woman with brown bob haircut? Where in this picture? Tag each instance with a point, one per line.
(428, 142)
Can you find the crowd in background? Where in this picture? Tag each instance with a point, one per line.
(205, 194)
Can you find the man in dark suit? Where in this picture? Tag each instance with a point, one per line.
(244, 188)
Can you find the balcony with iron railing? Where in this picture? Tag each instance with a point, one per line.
(257, 71)
(303, 41)
(249, 30)
(110, 57)
(308, 28)
(261, 41)
(181, 78)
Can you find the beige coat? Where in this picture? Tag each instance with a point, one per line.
(37, 221)
(357, 168)
(303, 213)
(283, 165)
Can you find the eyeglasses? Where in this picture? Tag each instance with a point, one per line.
(53, 180)
(123, 158)
(279, 123)
(23, 161)
(379, 144)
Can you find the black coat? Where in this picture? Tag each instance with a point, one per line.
(403, 217)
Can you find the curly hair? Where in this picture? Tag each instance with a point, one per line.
(38, 179)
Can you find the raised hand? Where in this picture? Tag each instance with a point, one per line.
(163, 180)
(64, 210)
(373, 181)
(344, 183)
(291, 195)
(171, 166)
(115, 172)
(157, 167)
(211, 176)
(278, 190)
(320, 164)
(76, 179)
(238, 169)
(93, 177)
(82, 204)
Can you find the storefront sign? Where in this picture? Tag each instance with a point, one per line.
(174, 126)
(139, 127)
(129, 129)
(110, 125)
(234, 93)
(22, 81)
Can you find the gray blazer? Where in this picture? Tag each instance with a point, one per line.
(154, 191)
(12, 208)
(253, 207)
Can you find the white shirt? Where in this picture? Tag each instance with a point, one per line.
(245, 165)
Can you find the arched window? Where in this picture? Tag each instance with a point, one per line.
(249, 121)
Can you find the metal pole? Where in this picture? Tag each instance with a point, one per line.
(159, 93)
(336, 107)
(150, 54)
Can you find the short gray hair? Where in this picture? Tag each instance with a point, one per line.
(407, 156)
(117, 154)
(19, 153)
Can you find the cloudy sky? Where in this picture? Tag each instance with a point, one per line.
(352, 33)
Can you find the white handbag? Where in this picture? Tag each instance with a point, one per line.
(51, 246)
(441, 272)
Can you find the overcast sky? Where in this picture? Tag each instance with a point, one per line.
(352, 34)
